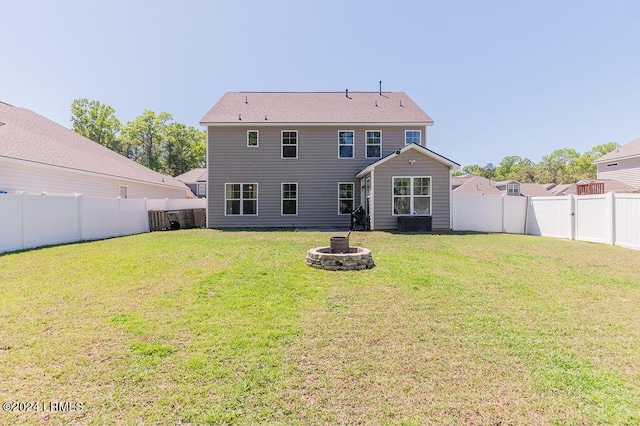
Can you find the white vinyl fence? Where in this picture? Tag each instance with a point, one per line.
(28, 221)
(609, 218)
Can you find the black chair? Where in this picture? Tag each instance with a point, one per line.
(359, 218)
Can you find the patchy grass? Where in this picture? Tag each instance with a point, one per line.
(213, 327)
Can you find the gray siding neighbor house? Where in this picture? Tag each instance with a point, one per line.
(306, 159)
(623, 164)
(196, 180)
(38, 155)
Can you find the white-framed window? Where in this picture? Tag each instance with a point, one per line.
(346, 143)
(289, 203)
(412, 136)
(289, 144)
(373, 145)
(253, 138)
(241, 199)
(411, 196)
(123, 191)
(202, 189)
(346, 198)
(513, 189)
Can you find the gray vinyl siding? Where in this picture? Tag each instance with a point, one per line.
(317, 170)
(627, 171)
(400, 167)
(31, 177)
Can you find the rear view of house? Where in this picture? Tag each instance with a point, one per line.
(308, 159)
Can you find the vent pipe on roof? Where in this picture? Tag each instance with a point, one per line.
(346, 93)
(380, 91)
(400, 102)
(246, 99)
(265, 117)
(376, 103)
(240, 117)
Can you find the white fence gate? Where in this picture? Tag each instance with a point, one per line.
(488, 213)
(28, 221)
(609, 218)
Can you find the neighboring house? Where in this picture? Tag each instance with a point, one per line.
(38, 155)
(470, 184)
(308, 159)
(562, 189)
(534, 190)
(592, 186)
(623, 164)
(196, 180)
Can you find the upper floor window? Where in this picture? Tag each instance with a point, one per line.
(374, 143)
(513, 189)
(345, 143)
(241, 199)
(252, 138)
(411, 195)
(123, 191)
(412, 136)
(289, 144)
(289, 199)
(202, 189)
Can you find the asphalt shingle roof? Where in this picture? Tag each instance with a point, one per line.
(315, 107)
(193, 176)
(632, 149)
(31, 137)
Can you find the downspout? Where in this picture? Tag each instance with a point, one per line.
(373, 203)
(207, 190)
(451, 209)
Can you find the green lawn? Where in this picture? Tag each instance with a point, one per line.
(212, 327)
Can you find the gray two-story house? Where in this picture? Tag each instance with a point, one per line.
(308, 159)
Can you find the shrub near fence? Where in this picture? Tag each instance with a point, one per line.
(29, 221)
(608, 218)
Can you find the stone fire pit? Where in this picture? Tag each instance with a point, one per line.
(356, 259)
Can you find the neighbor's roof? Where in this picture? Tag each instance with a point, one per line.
(632, 149)
(193, 176)
(563, 189)
(478, 185)
(534, 190)
(28, 136)
(241, 108)
(610, 185)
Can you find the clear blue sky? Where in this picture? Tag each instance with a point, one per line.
(498, 77)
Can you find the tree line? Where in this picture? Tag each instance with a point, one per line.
(564, 165)
(153, 140)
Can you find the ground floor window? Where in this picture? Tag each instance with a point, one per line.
(345, 198)
(241, 199)
(412, 195)
(289, 198)
(202, 189)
